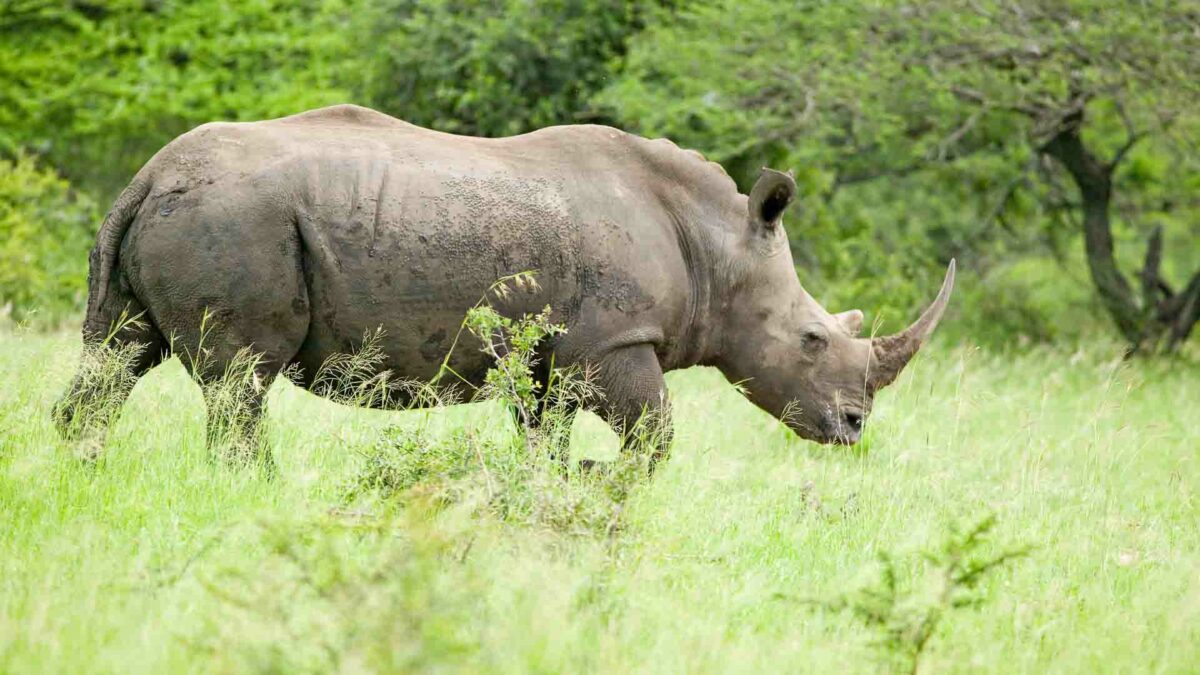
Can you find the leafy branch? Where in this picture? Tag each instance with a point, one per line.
(905, 619)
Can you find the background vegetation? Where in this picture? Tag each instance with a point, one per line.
(1049, 145)
(918, 132)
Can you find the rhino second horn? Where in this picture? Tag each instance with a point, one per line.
(890, 354)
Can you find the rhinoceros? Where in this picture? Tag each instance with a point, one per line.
(294, 236)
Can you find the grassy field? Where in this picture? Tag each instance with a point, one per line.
(153, 558)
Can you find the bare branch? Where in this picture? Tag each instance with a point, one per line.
(957, 135)
(997, 212)
(1132, 135)
(1174, 304)
(1130, 128)
(976, 97)
(1016, 10)
(980, 10)
(1187, 314)
(841, 178)
(1122, 151)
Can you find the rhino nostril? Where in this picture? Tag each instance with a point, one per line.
(853, 420)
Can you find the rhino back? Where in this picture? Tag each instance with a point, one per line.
(405, 229)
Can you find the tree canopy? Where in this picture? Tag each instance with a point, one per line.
(1049, 146)
(1034, 122)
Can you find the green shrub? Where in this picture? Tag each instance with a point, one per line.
(905, 611)
(493, 68)
(311, 602)
(99, 87)
(1030, 300)
(46, 229)
(524, 478)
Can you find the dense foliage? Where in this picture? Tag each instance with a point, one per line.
(918, 132)
(947, 128)
(493, 68)
(97, 88)
(45, 232)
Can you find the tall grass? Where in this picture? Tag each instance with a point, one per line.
(380, 544)
(104, 378)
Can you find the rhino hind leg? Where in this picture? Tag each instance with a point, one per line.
(235, 357)
(236, 309)
(120, 345)
(234, 373)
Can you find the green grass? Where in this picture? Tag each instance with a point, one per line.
(153, 558)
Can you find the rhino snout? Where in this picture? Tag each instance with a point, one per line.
(844, 426)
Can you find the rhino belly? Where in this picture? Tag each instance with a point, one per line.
(409, 268)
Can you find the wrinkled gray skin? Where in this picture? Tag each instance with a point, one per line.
(297, 235)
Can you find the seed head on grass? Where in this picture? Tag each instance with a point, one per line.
(357, 378)
(233, 402)
(233, 392)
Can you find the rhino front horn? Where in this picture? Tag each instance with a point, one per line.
(890, 354)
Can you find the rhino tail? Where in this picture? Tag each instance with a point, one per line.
(102, 262)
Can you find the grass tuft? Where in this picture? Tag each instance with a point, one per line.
(525, 478)
(103, 380)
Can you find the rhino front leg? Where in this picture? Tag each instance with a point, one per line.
(635, 400)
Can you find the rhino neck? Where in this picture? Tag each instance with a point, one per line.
(695, 338)
(709, 249)
(760, 303)
(708, 217)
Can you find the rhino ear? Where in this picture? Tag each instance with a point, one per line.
(770, 197)
(851, 320)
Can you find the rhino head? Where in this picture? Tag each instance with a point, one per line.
(807, 367)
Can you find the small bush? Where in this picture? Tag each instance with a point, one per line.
(46, 229)
(525, 478)
(905, 613)
(405, 458)
(311, 602)
(498, 478)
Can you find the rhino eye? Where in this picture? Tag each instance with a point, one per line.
(814, 341)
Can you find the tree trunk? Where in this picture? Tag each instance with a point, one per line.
(1094, 180)
(1161, 312)
(1181, 312)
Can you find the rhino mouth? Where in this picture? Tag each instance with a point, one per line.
(844, 427)
(838, 427)
(849, 427)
